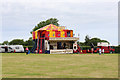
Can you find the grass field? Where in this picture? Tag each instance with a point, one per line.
(19, 65)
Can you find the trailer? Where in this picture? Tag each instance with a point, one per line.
(11, 48)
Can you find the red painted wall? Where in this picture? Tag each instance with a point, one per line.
(47, 34)
(57, 33)
(33, 33)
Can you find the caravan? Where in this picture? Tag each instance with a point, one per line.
(17, 48)
(6, 48)
(11, 48)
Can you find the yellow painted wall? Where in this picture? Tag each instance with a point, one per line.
(62, 34)
(35, 34)
(52, 33)
(71, 33)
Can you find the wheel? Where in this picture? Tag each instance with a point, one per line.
(11, 52)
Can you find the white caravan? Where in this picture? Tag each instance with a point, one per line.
(11, 48)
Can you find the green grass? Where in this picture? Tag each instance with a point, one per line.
(19, 65)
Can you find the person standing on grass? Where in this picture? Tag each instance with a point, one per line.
(103, 51)
(92, 48)
(100, 51)
(26, 50)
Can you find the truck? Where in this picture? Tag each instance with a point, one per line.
(103, 45)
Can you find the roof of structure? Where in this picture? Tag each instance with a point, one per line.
(52, 27)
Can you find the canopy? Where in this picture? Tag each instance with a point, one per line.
(51, 30)
(51, 27)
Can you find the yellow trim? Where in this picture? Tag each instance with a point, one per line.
(35, 34)
(62, 34)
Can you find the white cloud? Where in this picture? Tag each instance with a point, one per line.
(22, 15)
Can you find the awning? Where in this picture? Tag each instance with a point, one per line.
(63, 38)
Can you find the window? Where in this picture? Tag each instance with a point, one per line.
(68, 34)
(2, 47)
(10, 48)
(74, 47)
(17, 47)
(48, 34)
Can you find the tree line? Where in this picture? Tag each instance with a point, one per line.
(28, 42)
(89, 41)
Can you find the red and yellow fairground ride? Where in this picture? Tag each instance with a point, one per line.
(53, 39)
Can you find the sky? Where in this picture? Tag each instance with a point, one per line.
(96, 18)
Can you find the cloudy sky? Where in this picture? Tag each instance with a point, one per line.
(96, 18)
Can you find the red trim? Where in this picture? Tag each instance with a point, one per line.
(65, 33)
(57, 34)
(40, 51)
(33, 33)
(54, 30)
(38, 42)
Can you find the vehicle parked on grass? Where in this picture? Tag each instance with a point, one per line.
(5, 48)
(17, 48)
(103, 45)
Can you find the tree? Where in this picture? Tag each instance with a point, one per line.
(17, 42)
(5, 43)
(105, 41)
(53, 21)
(95, 41)
(29, 42)
(87, 40)
(81, 43)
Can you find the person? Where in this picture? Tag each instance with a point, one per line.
(103, 51)
(6, 49)
(64, 46)
(36, 51)
(27, 50)
(100, 51)
(92, 49)
(88, 51)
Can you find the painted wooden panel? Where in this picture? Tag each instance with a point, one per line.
(57, 33)
(62, 34)
(33, 34)
(52, 33)
(47, 34)
(36, 34)
(71, 33)
(65, 33)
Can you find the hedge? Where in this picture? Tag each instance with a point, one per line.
(117, 49)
